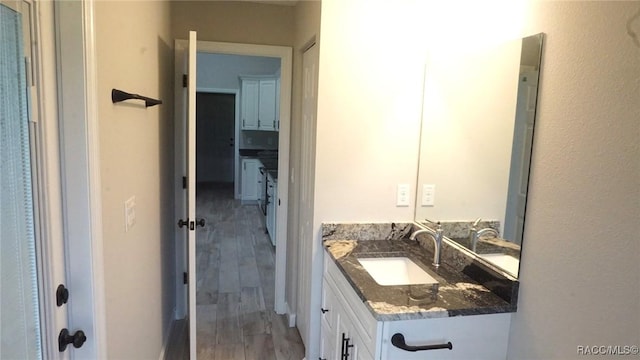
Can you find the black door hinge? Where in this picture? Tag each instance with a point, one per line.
(184, 182)
(185, 278)
(185, 80)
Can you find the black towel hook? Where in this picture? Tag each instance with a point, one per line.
(119, 95)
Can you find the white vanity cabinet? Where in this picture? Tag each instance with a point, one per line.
(250, 179)
(259, 99)
(345, 316)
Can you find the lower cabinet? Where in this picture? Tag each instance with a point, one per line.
(349, 330)
(250, 178)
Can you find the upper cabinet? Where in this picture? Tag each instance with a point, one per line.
(259, 103)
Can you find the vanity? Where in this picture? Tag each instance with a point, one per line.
(391, 312)
(445, 285)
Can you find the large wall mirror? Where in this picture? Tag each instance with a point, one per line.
(477, 130)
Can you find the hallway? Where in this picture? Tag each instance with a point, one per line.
(235, 283)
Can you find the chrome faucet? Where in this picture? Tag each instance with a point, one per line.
(437, 241)
(475, 234)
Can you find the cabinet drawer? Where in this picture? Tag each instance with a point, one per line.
(473, 337)
(360, 315)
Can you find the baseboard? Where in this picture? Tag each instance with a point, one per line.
(167, 338)
(291, 316)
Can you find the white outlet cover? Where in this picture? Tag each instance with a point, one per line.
(402, 198)
(428, 195)
(129, 213)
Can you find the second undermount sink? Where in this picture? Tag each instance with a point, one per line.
(507, 262)
(396, 271)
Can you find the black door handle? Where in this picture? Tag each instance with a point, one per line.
(65, 338)
(183, 223)
(200, 222)
(397, 340)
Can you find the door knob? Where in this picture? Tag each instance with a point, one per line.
(65, 338)
(200, 222)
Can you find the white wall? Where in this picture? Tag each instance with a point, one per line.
(580, 268)
(222, 71)
(136, 149)
(368, 121)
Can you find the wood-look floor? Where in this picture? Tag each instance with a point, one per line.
(235, 283)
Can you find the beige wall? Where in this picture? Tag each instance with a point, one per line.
(233, 21)
(368, 121)
(136, 150)
(580, 270)
(307, 26)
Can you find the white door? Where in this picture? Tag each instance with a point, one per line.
(185, 167)
(307, 164)
(32, 262)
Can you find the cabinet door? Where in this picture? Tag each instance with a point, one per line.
(249, 99)
(329, 345)
(473, 337)
(267, 105)
(250, 176)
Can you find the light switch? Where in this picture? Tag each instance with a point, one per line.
(428, 194)
(129, 213)
(403, 195)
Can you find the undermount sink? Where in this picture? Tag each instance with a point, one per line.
(507, 262)
(396, 271)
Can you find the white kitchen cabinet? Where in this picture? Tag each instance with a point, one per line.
(259, 100)
(250, 179)
(472, 337)
(272, 208)
(249, 97)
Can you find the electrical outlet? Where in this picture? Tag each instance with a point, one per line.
(129, 213)
(428, 195)
(403, 195)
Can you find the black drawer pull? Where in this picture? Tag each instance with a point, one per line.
(398, 341)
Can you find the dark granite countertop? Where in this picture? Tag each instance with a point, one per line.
(456, 294)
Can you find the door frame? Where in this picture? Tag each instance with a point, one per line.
(77, 109)
(236, 131)
(285, 53)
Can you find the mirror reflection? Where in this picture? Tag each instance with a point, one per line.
(477, 130)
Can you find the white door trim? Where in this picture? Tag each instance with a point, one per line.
(285, 54)
(82, 207)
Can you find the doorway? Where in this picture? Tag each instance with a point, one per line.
(215, 135)
(186, 260)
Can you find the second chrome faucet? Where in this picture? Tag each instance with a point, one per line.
(475, 234)
(437, 240)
